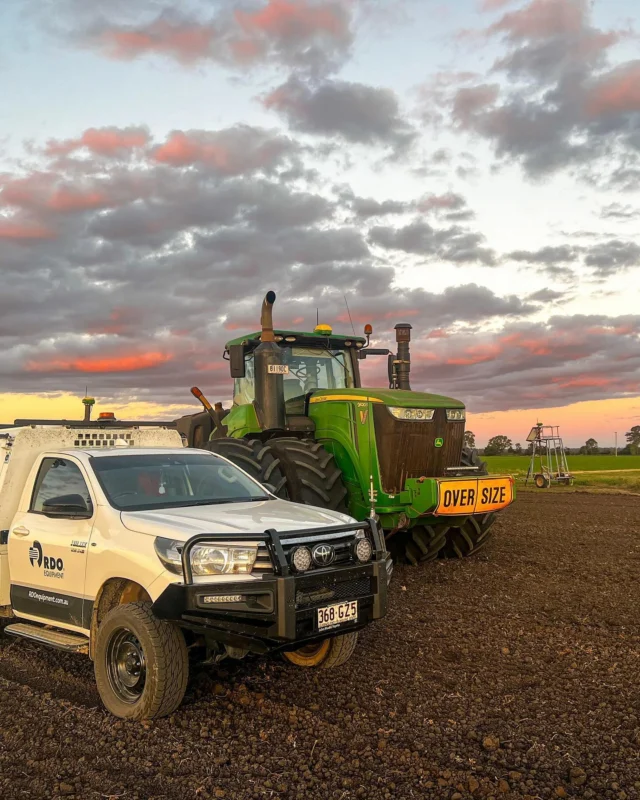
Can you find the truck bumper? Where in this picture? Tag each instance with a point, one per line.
(277, 612)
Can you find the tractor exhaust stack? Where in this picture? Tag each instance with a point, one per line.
(266, 318)
(269, 370)
(403, 359)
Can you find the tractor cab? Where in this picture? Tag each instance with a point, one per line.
(310, 362)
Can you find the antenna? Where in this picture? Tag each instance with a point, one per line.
(317, 317)
(349, 313)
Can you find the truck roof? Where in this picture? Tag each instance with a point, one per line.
(94, 452)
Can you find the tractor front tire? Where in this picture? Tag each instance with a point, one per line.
(417, 545)
(311, 474)
(466, 540)
(469, 538)
(253, 456)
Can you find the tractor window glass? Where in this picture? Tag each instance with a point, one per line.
(146, 482)
(58, 476)
(244, 388)
(318, 368)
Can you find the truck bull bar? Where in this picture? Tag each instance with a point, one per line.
(272, 539)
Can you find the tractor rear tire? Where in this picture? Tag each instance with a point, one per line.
(253, 456)
(466, 540)
(417, 545)
(311, 474)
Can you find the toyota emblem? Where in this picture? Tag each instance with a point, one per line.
(323, 555)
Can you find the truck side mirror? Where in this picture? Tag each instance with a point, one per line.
(66, 505)
(236, 360)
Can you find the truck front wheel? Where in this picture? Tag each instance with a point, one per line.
(326, 654)
(141, 663)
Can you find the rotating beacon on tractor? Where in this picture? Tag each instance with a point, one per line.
(302, 422)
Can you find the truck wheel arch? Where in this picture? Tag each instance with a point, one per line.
(114, 592)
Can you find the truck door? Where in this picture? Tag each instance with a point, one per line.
(48, 547)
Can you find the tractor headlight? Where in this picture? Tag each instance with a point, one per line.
(209, 559)
(455, 414)
(412, 413)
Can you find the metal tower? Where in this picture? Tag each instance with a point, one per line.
(547, 449)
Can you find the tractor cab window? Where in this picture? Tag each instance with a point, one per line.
(309, 369)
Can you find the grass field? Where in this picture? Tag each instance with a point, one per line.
(602, 472)
(576, 463)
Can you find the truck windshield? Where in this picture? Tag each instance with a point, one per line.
(145, 482)
(310, 368)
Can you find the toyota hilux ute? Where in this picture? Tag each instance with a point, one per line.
(118, 542)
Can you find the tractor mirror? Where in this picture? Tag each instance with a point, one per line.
(236, 360)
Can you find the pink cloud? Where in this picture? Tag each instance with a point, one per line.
(186, 42)
(21, 231)
(109, 142)
(618, 92)
(296, 19)
(115, 363)
(542, 19)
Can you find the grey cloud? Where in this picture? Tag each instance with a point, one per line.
(613, 256)
(546, 296)
(562, 106)
(536, 365)
(560, 254)
(620, 212)
(420, 238)
(354, 112)
(314, 37)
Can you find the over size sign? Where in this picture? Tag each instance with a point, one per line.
(478, 496)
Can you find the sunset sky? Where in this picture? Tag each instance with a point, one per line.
(470, 167)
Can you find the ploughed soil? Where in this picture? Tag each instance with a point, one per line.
(514, 674)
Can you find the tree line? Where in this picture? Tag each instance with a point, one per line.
(502, 445)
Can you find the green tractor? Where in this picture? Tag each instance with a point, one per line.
(302, 423)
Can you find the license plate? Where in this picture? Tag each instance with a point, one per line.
(478, 496)
(331, 616)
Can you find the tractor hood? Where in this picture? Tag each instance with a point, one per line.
(390, 397)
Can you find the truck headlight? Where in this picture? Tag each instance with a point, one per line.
(207, 559)
(412, 413)
(454, 414)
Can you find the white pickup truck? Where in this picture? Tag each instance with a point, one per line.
(118, 542)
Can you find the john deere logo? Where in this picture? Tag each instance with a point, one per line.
(363, 416)
(439, 442)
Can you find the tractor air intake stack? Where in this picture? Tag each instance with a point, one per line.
(403, 368)
(269, 370)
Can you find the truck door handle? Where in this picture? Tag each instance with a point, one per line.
(21, 531)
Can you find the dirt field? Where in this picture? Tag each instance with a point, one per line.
(513, 675)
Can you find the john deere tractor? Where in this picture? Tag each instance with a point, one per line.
(302, 423)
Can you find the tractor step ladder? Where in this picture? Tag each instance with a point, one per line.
(60, 640)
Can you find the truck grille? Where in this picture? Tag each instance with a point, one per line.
(341, 542)
(406, 449)
(329, 591)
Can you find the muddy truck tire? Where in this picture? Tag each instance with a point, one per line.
(466, 540)
(255, 458)
(326, 654)
(311, 473)
(141, 663)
